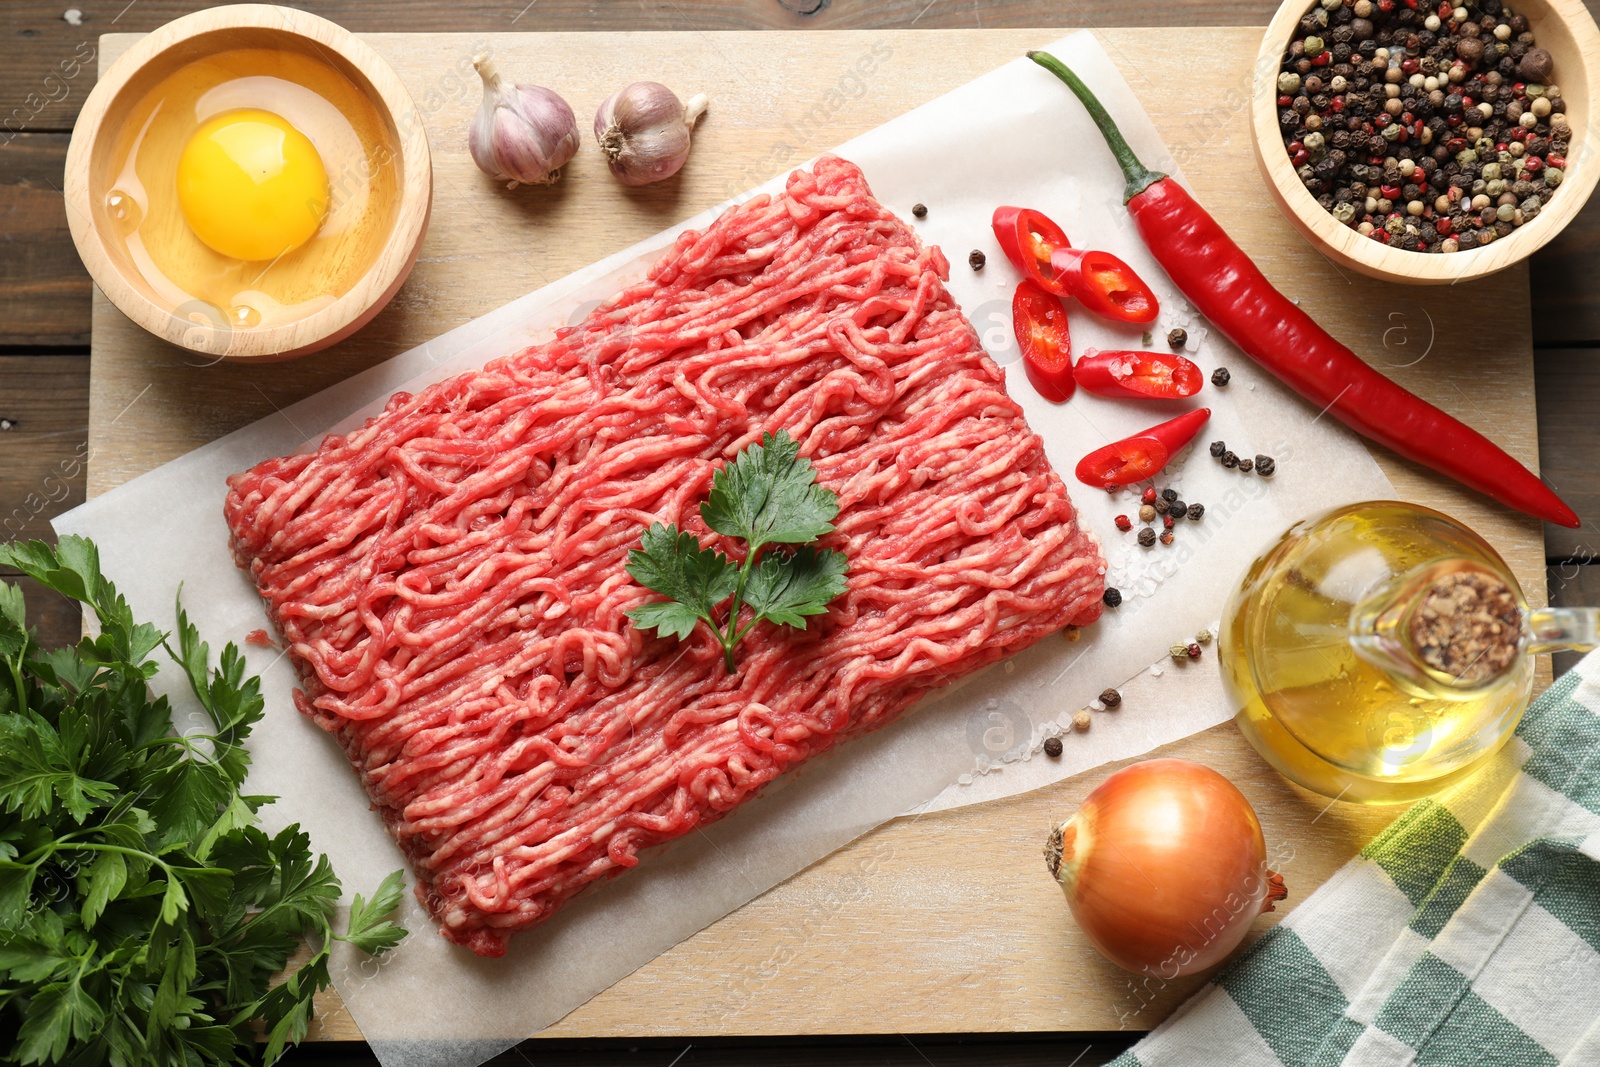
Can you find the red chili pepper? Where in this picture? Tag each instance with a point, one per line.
(1133, 459)
(1104, 284)
(1140, 375)
(1216, 275)
(1028, 237)
(1040, 323)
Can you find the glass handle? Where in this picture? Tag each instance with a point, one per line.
(1564, 629)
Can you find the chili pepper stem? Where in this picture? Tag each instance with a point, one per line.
(1137, 176)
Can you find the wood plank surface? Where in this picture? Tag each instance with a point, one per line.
(43, 446)
(1574, 583)
(1562, 274)
(948, 923)
(1568, 386)
(44, 415)
(45, 288)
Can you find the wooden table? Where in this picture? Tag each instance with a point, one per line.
(43, 388)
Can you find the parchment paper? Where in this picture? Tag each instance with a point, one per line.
(1013, 136)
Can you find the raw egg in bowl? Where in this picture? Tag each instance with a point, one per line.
(249, 182)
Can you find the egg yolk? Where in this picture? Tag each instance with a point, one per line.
(251, 185)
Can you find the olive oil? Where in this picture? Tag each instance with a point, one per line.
(1326, 690)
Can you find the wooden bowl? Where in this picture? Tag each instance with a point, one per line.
(1565, 29)
(91, 173)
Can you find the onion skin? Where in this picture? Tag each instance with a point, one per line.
(1164, 867)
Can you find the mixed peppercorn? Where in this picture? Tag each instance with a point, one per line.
(1163, 508)
(1427, 128)
(1265, 466)
(1182, 651)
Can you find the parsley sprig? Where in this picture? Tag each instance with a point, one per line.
(143, 913)
(767, 496)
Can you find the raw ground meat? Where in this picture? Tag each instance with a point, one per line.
(449, 581)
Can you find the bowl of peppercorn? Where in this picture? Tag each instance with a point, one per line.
(1428, 142)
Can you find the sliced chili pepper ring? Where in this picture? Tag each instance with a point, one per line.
(1029, 238)
(1104, 284)
(1040, 323)
(1138, 375)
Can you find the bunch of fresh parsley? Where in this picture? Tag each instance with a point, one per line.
(142, 911)
(768, 495)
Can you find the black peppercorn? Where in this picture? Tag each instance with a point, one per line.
(1230, 460)
(1111, 698)
(1265, 465)
(1161, 506)
(1147, 537)
(1218, 448)
(1198, 510)
(1169, 495)
(1245, 464)
(920, 210)
(1112, 597)
(1052, 747)
(977, 259)
(1220, 377)
(1177, 338)
(1177, 509)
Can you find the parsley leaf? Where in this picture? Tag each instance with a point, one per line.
(786, 588)
(369, 930)
(36, 772)
(768, 495)
(143, 913)
(695, 579)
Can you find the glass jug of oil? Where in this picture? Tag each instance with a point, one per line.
(1383, 651)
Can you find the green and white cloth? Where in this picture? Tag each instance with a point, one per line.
(1468, 933)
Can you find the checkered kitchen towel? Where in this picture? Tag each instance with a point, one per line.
(1468, 933)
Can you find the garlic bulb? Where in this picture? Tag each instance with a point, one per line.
(644, 130)
(521, 133)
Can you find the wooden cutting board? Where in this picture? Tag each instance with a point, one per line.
(947, 923)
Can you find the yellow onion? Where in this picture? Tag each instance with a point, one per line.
(1164, 867)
